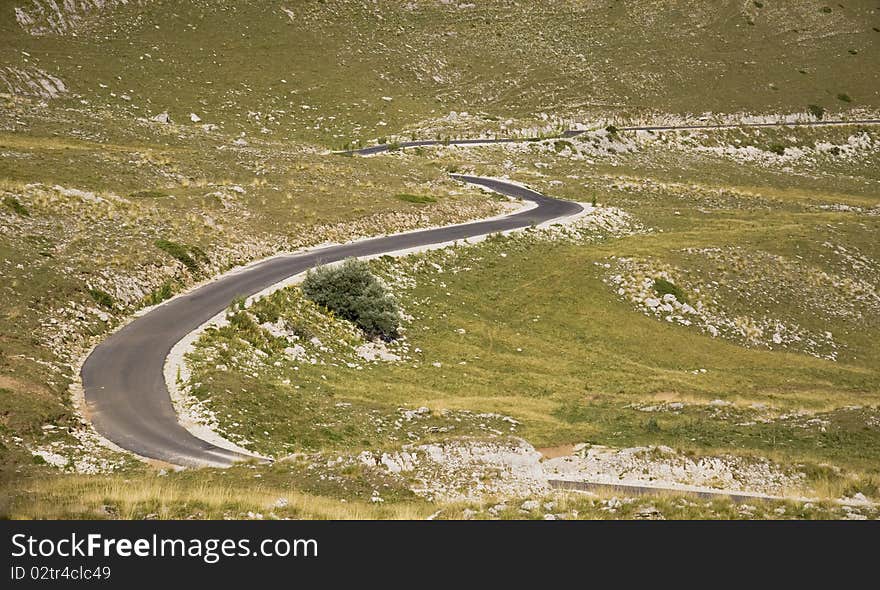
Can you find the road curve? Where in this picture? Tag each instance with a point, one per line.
(385, 147)
(123, 379)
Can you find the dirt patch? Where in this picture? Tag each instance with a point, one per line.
(7, 382)
(557, 451)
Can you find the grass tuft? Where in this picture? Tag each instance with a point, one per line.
(181, 253)
(16, 206)
(416, 199)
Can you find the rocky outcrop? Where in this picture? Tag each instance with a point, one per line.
(467, 469)
(31, 81)
(62, 17)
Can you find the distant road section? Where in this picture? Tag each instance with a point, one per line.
(385, 147)
(123, 378)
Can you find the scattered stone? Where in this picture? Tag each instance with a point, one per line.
(163, 118)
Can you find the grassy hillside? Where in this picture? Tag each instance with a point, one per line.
(776, 356)
(108, 206)
(336, 71)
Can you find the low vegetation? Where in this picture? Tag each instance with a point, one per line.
(352, 292)
(417, 199)
(183, 254)
(663, 287)
(16, 206)
(102, 298)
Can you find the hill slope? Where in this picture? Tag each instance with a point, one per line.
(318, 71)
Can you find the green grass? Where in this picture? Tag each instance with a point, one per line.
(148, 194)
(159, 294)
(569, 372)
(416, 199)
(102, 298)
(564, 61)
(663, 287)
(16, 206)
(817, 111)
(180, 252)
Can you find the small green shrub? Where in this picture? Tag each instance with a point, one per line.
(816, 110)
(102, 298)
(16, 206)
(663, 287)
(160, 294)
(181, 253)
(560, 144)
(248, 329)
(777, 148)
(352, 292)
(825, 10)
(149, 194)
(612, 130)
(199, 254)
(844, 97)
(268, 312)
(417, 199)
(238, 303)
(867, 486)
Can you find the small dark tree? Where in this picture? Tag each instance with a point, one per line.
(817, 111)
(663, 287)
(352, 292)
(777, 148)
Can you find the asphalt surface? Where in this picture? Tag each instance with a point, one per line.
(123, 378)
(378, 149)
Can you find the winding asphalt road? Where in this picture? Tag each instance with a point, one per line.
(123, 378)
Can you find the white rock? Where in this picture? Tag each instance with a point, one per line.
(295, 352)
(163, 118)
(376, 351)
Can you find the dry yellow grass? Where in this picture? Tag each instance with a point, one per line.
(169, 498)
